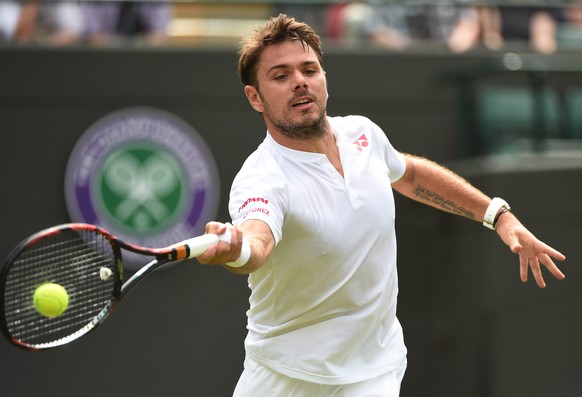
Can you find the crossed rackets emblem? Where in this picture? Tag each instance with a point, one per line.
(141, 187)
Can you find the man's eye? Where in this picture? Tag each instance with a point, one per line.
(279, 77)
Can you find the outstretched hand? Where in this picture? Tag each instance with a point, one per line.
(532, 252)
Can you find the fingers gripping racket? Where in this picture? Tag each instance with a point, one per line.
(87, 262)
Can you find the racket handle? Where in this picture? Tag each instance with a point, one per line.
(198, 245)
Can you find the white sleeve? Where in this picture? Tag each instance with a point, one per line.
(258, 192)
(393, 158)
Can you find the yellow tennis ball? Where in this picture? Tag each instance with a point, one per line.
(51, 300)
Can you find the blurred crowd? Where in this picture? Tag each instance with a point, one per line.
(61, 22)
(456, 25)
(398, 26)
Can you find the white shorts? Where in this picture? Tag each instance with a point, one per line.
(259, 381)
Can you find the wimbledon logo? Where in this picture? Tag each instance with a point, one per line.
(145, 175)
(141, 187)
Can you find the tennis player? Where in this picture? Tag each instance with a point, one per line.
(315, 201)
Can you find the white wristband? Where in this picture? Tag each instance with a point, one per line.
(492, 210)
(244, 257)
(245, 251)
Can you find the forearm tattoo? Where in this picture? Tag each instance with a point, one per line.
(423, 193)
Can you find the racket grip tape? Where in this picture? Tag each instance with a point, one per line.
(197, 246)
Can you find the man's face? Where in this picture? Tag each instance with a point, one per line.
(291, 90)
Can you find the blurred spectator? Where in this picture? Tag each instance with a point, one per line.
(55, 22)
(573, 14)
(346, 21)
(534, 26)
(569, 30)
(312, 14)
(108, 21)
(398, 26)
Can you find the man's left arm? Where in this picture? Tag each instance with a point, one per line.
(430, 183)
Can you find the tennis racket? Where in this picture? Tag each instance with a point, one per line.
(87, 261)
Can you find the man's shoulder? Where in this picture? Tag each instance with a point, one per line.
(262, 161)
(353, 126)
(349, 120)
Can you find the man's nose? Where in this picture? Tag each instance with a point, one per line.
(300, 81)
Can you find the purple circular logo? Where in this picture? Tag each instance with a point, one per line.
(146, 176)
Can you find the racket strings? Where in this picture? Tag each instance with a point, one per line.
(73, 259)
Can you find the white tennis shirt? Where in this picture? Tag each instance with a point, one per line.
(323, 305)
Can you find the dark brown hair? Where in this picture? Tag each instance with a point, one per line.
(276, 30)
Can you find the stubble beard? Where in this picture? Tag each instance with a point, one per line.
(311, 128)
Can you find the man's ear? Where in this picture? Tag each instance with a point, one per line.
(254, 98)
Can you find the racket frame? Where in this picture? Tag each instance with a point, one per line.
(180, 251)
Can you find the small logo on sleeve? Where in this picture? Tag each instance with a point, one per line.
(253, 200)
